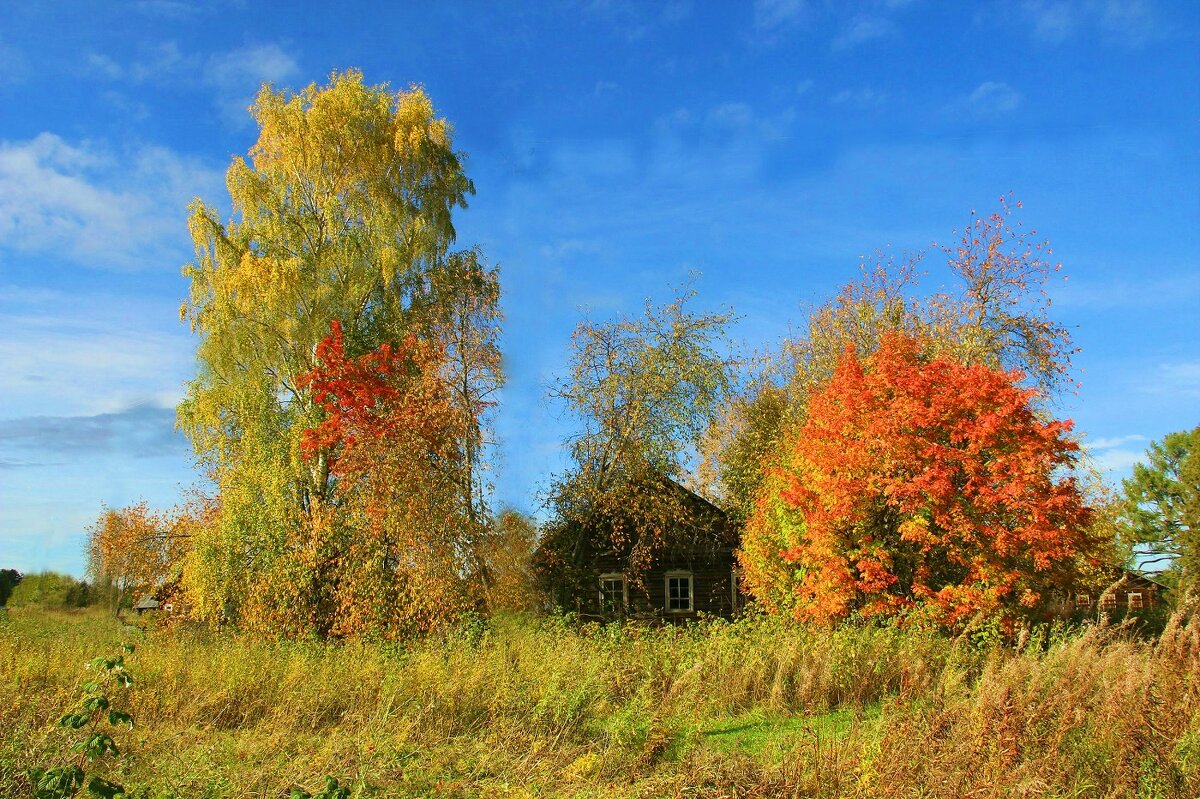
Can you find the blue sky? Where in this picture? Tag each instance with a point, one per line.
(616, 147)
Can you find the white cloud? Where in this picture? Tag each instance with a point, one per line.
(864, 28)
(1114, 442)
(864, 99)
(103, 66)
(68, 357)
(1130, 23)
(992, 98)
(97, 208)
(13, 66)
(1052, 22)
(773, 15)
(1117, 461)
(237, 76)
(163, 62)
(1180, 379)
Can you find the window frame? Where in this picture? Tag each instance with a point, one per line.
(1141, 600)
(677, 574)
(1083, 601)
(612, 577)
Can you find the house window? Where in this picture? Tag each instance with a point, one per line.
(1135, 600)
(613, 597)
(1083, 600)
(679, 592)
(1108, 601)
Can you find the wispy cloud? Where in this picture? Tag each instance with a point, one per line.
(1180, 379)
(1114, 442)
(864, 98)
(992, 98)
(141, 431)
(176, 9)
(95, 207)
(774, 16)
(236, 76)
(89, 354)
(1052, 22)
(13, 66)
(1130, 23)
(864, 28)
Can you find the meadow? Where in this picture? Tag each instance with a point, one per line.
(524, 707)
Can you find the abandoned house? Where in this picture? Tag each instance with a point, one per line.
(587, 569)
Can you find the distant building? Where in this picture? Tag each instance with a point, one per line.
(695, 573)
(1127, 592)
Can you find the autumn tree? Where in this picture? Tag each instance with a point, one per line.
(460, 306)
(918, 483)
(996, 313)
(507, 551)
(643, 389)
(342, 213)
(1161, 509)
(136, 549)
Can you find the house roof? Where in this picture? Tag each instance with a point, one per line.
(147, 603)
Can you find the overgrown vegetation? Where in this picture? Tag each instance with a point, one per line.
(524, 707)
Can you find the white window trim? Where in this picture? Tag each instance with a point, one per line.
(624, 588)
(667, 592)
(1141, 600)
(1083, 600)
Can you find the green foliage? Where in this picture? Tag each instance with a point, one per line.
(330, 790)
(51, 590)
(93, 710)
(9, 578)
(1162, 505)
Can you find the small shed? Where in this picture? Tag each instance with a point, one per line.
(146, 603)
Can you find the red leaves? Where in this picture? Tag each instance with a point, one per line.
(927, 482)
(386, 394)
(388, 539)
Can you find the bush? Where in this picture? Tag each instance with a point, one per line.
(51, 590)
(8, 581)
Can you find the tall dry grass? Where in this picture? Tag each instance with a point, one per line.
(522, 707)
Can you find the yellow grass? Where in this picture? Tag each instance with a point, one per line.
(523, 707)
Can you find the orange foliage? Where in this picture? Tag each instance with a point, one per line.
(390, 547)
(918, 484)
(139, 549)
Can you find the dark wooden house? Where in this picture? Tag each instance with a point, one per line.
(588, 570)
(1125, 591)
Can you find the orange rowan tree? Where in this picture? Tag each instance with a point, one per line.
(918, 483)
(389, 556)
(995, 312)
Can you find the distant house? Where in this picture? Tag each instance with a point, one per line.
(146, 603)
(1127, 591)
(694, 574)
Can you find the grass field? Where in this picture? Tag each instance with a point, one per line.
(520, 707)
